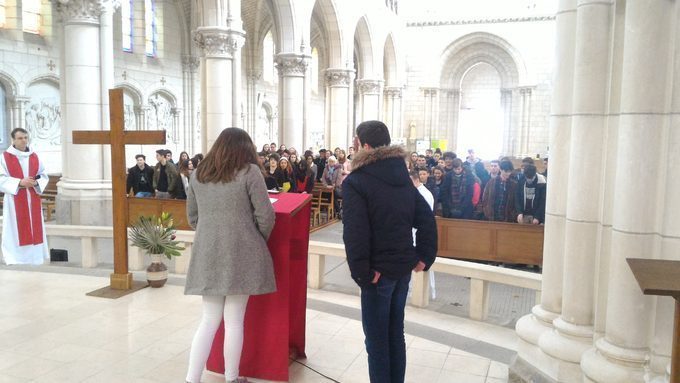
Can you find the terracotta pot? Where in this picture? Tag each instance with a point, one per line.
(157, 272)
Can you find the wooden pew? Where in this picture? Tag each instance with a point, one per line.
(490, 241)
(152, 206)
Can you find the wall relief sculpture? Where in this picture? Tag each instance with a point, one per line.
(160, 114)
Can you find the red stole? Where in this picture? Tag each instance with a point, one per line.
(29, 228)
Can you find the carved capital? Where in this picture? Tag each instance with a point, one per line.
(190, 63)
(84, 11)
(367, 86)
(339, 77)
(291, 64)
(219, 42)
(393, 91)
(525, 91)
(432, 92)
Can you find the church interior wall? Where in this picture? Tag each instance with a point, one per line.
(533, 66)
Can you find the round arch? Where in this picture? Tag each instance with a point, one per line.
(10, 84)
(470, 49)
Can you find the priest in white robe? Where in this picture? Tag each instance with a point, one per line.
(22, 179)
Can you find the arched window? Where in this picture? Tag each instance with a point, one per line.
(127, 14)
(30, 16)
(314, 71)
(150, 31)
(268, 58)
(2, 14)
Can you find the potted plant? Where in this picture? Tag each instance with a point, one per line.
(156, 236)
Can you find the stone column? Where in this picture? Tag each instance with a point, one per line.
(454, 97)
(370, 98)
(531, 362)
(573, 332)
(525, 133)
(621, 355)
(19, 108)
(189, 67)
(253, 77)
(338, 106)
(393, 111)
(107, 77)
(506, 105)
(292, 68)
(82, 189)
(218, 44)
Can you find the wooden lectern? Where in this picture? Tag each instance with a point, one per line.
(274, 330)
(661, 277)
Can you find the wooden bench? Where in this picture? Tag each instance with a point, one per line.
(490, 241)
(49, 196)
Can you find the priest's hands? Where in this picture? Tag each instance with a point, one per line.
(27, 183)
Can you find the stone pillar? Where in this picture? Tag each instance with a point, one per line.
(219, 45)
(621, 355)
(18, 110)
(506, 105)
(107, 77)
(429, 118)
(454, 97)
(252, 109)
(531, 362)
(189, 67)
(82, 189)
(292, 68)
(525, 132)
(370, 98)
(339, 104)
(393, 111)
(573, 333)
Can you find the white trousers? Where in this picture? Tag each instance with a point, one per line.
(233, 309)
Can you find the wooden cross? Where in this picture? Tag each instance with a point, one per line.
(117, 137)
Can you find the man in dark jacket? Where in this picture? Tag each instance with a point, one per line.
(457, 192)
(530, 197)
(140, 178)
(320, 163)
(380, 208)
(165, 176)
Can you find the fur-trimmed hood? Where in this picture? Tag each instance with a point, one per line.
(368, 156)
(387, 163)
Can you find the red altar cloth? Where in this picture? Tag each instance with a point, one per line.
(275, 323)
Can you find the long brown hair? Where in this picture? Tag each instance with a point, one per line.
(232, 151)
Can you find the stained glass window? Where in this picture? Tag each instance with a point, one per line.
(31, 16)
(314, 70)
(268, 58)
(2, 13)
(127, 13)
(150, 31)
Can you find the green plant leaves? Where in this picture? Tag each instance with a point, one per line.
(156, 235)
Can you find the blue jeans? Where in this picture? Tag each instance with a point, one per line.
(382, 316)
(143, 194)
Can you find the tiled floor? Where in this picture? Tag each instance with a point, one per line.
(51, 332)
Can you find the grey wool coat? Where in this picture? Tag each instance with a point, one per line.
(232, 221)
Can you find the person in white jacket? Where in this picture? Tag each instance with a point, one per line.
(429, 198)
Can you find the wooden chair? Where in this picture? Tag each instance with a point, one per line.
(316, 208)
(326, 203)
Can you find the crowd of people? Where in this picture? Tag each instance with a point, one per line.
(460, 189)
(468, 190)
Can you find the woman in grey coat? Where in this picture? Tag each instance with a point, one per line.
(228, 206)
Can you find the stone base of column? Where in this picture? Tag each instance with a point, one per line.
(522, 371)
(84, 203)
(608, 363)
(564, 346)
(530, 362)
